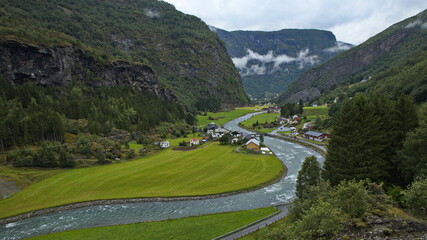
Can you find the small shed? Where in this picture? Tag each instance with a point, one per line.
(253, 145)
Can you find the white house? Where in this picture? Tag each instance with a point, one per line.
(164, 144)
(194, 141)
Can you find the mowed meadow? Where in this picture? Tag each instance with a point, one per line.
(200, 227)
(210, 169)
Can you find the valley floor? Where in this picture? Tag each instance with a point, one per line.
(211, 169)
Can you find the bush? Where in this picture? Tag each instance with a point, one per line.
(130, 154)
(322, 221)
(396, 194)
(416, 197)
(352, 198)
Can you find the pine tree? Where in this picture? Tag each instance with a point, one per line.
(309, 175)
(413, 157)
(356, 147)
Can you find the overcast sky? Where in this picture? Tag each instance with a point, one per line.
(351, 21)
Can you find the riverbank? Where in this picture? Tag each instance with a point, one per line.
(290, 154)
(39, 212)
(322, 151)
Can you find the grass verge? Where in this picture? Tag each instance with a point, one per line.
(202, 227)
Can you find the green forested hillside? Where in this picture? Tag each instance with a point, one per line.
(187, 57)
(33, 114)
(391, 63)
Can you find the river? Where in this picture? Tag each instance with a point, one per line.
(292, 155)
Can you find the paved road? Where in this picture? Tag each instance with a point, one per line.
(274, 133)
(240, 233)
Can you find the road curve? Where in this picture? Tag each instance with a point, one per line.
(238, 233)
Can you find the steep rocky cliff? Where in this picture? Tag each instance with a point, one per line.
(270, 61)
(184, 54)
(62, 65)
(375, 66)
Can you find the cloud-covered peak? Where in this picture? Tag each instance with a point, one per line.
(339, 47)
(254, 63)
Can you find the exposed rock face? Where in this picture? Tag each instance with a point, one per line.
(378, 228)
(61, 65)
(322, 78)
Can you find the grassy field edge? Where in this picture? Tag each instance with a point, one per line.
(75, 205)
(203, 227)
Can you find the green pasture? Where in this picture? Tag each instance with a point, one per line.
(202, 227)
(212, 169)
(26, 176)
(314, 112)
(261, 118)
(222, 117)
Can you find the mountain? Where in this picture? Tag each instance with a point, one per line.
(104, 42)
(269, 61)
(390, 63)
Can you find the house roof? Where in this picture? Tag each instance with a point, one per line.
(265, 149)
(313, 133)
(253, 140)
(194, 139)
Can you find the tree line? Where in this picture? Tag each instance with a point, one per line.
(370, 139)
(31, 114)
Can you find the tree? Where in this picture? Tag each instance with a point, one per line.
(261, 138)
(66, 160)
(416, 197)
(356, 147)
(309, 175)
(225, 139)
(413, 157)
(100, 156)
(301, 106)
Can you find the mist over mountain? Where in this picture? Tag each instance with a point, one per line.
(269, 61)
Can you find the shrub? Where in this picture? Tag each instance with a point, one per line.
(416, 197)
(322, 221)
(352, 198)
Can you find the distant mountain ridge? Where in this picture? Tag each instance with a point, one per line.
(179, 49)
(391, 63)
(269, 61)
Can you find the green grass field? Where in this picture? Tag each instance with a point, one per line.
(314, 112)
(223, 117)
(212, 169)
(261, 118)
(176, 141)
(203, 227)
(26, 176)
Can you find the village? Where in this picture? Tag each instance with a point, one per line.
(294, 127)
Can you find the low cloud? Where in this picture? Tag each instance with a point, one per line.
(339, 47)
(151, 14)
(424, 25)
(413, 24)
(212, 28)
(260, 68)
